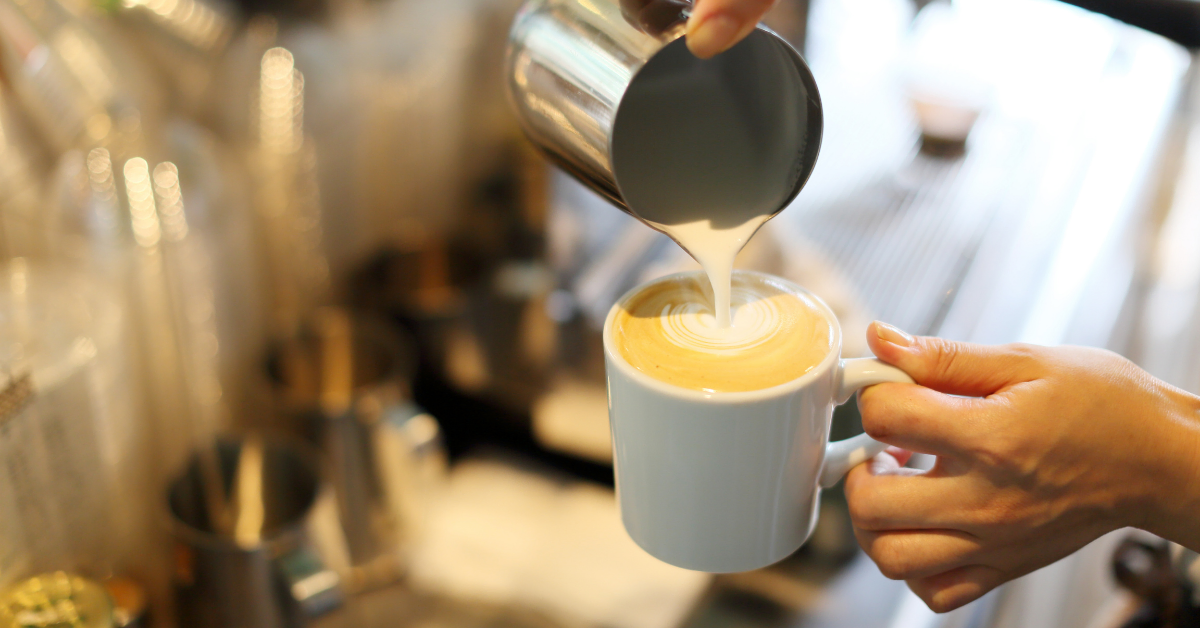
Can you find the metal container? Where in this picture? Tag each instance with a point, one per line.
(609, 91)
(343, 385)
(269, 573)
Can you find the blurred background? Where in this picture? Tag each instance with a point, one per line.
(296, 329)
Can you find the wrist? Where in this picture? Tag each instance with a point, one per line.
(1172, 507)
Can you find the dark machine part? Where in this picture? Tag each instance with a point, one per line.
(286, 9)
(1144, 567)
(1177, 20)
(456, 297)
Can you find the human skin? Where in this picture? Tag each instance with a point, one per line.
(1039, 452)
(716, 25)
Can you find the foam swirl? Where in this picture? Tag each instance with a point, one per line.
(668, 331)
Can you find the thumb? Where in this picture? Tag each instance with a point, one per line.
(716, 25)
(955, 368)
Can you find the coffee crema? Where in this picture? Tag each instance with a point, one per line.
(667, 330)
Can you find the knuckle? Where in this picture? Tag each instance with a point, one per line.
(850, 484)
(945, 354)
(996, 448)
(861, 512)
(890, 570)
(853, 486)
(1024, 350)
(886, 415)
(892, 558)
(995, 514)
(1005, 454)
(939, 603)
(1119, 364)
(1025, 357)
(991, 452)
(880, 429)
(923, 589)
(876, 415)
(939, 599)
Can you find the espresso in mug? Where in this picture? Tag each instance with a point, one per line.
(668, 331)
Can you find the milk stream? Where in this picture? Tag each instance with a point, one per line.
(715, 250)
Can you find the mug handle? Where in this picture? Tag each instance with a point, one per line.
(843, 455)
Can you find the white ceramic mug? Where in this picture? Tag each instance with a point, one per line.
(730, 481)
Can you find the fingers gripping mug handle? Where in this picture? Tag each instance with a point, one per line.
(843, 455)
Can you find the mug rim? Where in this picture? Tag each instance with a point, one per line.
(209, 540)
(733, 397)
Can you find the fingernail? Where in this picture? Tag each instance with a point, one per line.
(712, 35)
(887, 333)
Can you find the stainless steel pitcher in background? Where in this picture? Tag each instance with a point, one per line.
(343, 385)
(609, 91)
(269, 571)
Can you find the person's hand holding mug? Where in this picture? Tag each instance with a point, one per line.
(716, 25)
(1039, 452)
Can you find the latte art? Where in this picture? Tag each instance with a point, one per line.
(693, 325)
(668, 331)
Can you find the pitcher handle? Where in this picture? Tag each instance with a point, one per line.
(313, 589)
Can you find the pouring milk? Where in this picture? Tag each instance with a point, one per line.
(715, 249)
(707, 151)
(730, 189)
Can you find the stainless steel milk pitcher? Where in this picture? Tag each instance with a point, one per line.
(270, 571)
(609, 91)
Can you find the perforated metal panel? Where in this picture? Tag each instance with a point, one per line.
(906, 238)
